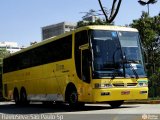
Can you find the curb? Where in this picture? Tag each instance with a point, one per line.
(143, 102)
(155, 102)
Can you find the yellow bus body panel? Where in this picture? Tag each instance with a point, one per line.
(53, 78)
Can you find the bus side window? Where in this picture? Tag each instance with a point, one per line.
(81, 38)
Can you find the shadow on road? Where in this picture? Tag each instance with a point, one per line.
(52, 108)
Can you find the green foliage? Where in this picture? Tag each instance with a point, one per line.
(3, 53)
(149, 28)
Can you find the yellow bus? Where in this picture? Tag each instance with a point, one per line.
(92, 64)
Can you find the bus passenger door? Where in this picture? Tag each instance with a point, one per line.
(86, 74)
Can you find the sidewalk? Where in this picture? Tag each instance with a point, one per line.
(142, 102)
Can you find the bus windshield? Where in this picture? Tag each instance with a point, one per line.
(116, 54)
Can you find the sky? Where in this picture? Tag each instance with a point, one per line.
(21, 20)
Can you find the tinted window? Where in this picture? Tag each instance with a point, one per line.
(81, 38)
(51, 52)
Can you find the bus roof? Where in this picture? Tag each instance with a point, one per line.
(93, 27)
(108, 27)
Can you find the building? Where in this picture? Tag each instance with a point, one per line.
(10, 46)
(57, 29)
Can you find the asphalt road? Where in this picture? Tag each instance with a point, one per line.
(90, 112)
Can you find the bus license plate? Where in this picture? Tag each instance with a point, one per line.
(125, 92)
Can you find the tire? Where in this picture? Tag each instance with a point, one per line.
(47, 103)
(58, 102)
(16, 97)
(115, 104)
(73, 98)
(23, 97)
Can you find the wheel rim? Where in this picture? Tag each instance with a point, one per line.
(73, 98)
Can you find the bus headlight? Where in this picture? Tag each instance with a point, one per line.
(143, 84)
(105, 85)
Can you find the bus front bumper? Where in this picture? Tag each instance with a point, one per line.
(114, 94)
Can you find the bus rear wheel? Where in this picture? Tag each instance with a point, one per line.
(23, 97)
(115, 104)
(16, 97)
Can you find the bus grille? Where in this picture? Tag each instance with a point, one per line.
(131, 84)
(124, 84)
(118, 84)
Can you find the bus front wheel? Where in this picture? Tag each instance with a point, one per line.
(115, 104)
(72, 98)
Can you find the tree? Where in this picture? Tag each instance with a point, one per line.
(149, 29)
(114, 10)
(116, 6)
(143, 3)
(3, 53)
(97, 20)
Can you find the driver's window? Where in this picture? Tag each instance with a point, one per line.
(86, 66)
